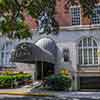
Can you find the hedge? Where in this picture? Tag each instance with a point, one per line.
(15, 80)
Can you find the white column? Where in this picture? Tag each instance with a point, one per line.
(74, 56)
(76, 82)
(98, 59)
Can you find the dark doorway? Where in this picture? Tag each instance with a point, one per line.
(44, 69)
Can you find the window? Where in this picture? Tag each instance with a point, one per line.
(2, 55)
(5, 53)
(96, 16)
(75, 13)
(66, 54)
(87, 51)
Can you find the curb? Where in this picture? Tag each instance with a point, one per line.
(25, 94)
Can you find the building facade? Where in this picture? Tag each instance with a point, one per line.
(81, 36)
(78, 42)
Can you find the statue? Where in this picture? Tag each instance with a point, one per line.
(47, 24)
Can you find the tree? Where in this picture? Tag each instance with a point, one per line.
(86, 5)
(12, 18)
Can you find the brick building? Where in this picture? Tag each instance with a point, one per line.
(78, 42)
(81, 36)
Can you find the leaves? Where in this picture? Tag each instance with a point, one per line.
(8, 5)
(88, 7)
(22, 30)
(38, 6)
(7, 25)
(12, 11)
(13, 19)
(17, 29)
(13, 24)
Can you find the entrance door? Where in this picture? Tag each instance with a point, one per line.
(44, 69)
(90, 82)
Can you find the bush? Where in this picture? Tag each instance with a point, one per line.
(11, 80)
(23, 78)
(58, 82)
(6, 81)
(7, 73)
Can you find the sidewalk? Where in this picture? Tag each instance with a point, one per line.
(30, 91)
(21, 90)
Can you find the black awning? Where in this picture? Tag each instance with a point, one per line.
(30, 53)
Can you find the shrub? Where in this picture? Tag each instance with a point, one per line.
(64, 71)
(7, 73)
(11, 80)
(58, 82)
(6, 81)
(23, 78)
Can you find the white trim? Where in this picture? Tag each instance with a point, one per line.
(88, 65)
(80, 16)
(6, 50)
(78, 6)
(80, 27)
(88, 53)
(98, 4)
(75, 6)
(82, 53)
(82, 48)
(96, 18)
(92, 53)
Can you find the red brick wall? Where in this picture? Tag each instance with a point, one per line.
(62, 15)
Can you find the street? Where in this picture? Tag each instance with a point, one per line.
(44, 98)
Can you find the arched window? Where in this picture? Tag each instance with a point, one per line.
(87, 51)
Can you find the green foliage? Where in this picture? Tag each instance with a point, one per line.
(6, 81)
(16, 28)
(22, 30)
(58, 82)
(8, 4)
(38, 6)
(88, 7)
(11, 10)
(10, 79)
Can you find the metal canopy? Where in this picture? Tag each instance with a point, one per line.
(30, 53)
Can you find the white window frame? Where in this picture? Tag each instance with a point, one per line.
(94, 23)
(6, 50)
(72, 7)
(87, 47)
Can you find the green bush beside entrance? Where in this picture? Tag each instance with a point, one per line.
(58, 82)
